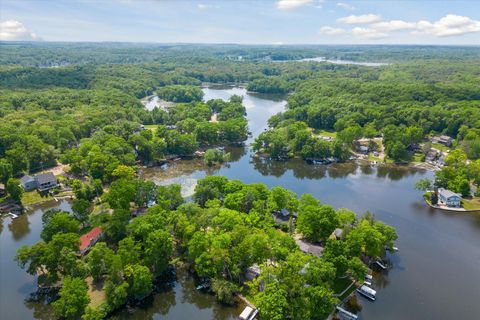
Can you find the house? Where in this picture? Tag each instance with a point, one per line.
(2, 190)
(45, 181)
(28, 183)
(449, 198)
(88, 240)
(252, 272)
(362, 149)
(313, 249)
(443, 139)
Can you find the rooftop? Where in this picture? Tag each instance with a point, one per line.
(26, 178)
(311, 248)
(447, 193)
(45, 178)
(89, 237)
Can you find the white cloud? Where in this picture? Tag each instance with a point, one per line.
(346, 6)
(368, 33)
(331, 31)
(450, 25)
(361, 19)
(393, 25)
(15, 30)
(292, 4)
(203, 6)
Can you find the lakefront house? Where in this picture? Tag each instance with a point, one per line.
(449, 198)
(42, 182)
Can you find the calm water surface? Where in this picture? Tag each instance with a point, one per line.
(340, 61)
(436, 273)
(15, 284)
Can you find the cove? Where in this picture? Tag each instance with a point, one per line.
(435, 273)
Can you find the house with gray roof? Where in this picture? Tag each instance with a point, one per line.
(28, 183)
(449, 198)
(45, 181)
(42, 182)
(443, 139)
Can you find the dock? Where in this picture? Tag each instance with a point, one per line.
(346, 314)
(378, 263)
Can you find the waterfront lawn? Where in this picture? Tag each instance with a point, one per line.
(33, 197)
(471, 204)
(95, 292)
(418, 157)
(371, 157)
(440, 147)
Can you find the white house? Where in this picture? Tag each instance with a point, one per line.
(449, 198)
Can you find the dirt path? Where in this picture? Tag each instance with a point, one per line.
(57, 170)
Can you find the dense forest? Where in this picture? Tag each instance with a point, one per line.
(403, 103)
(80, 104)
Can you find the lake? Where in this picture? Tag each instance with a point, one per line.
(435, 274)
(15, 284)
(340, 61)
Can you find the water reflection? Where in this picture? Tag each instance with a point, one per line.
(181, 301)
(19, 227)
(15, 284)
(433, 244)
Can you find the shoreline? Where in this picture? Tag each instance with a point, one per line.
(452, 209)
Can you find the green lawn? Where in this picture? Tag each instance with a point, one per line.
(152, 127)
(325, 133)
(440, 147)
(32, 197)
(471, 204)
(371, 157)
(418, 157)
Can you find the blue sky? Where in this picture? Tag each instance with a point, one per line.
(238, 21)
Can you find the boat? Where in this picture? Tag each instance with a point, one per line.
(392, 249)
(368, 277)
(13, 215)
(367, 292)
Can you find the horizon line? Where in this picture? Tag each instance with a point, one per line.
(234, 43)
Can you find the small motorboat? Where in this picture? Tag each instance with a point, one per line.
(367, 292)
